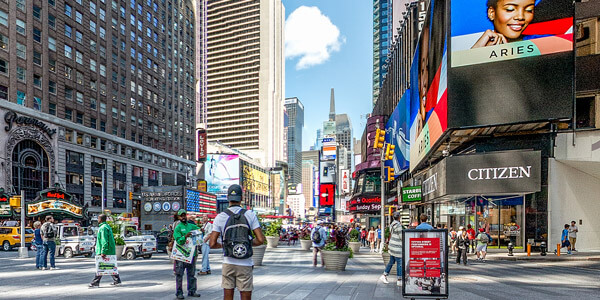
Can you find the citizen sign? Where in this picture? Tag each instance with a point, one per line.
(430, 184)
(500, 173)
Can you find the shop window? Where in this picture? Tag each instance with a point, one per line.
(74, 178)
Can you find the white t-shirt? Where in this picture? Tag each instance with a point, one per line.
(572, 231)
(219, 226)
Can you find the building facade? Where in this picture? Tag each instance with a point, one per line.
(92, 88)
(382, 36)
(308, 171)
(242, 82)
(295, 111)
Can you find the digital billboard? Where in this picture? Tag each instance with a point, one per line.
(397, 134)
(327, 195)
(221, 171)
(327, 172)
(428, 82)
(511, 61)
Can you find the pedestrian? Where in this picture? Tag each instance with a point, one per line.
(565, 239)
(371, 238)
(49, 233)
(482, 243)
(471, 234)
(395, 250)
(205, 248)
(463, 246)
(452, 235)
(317, 236)
(39, 245)
(378, 239)
(180, 235)
(573, 235)
(105, 245)
(363, 237)
(235, 225)
(424, 225)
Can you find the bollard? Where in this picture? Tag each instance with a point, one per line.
(528, 249)
(558, 249)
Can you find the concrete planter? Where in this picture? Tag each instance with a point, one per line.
(119, 251)
(306, 244)
(355, 246)
(335, 260)
(272, 241)
(386, 260)
(258, 253)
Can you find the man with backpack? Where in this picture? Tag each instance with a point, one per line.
(182, 231)
(318, 237)
(49, 233)
(482, 242)
(235, 225)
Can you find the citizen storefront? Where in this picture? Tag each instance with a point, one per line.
(493, 191)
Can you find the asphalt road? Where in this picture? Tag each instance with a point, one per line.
(288, 274)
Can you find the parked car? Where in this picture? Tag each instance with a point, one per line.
(74, 241)
(162, 240)
(11, 237)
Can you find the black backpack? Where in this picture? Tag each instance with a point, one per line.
(49, 232)
(236, 236)
(316, 236)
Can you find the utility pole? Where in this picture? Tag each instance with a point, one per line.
(23, 253)
(377, 144)
(102, 197)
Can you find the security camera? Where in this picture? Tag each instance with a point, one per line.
(445, 153)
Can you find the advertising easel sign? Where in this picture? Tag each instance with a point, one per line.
(425, 259)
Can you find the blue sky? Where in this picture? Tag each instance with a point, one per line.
(328, 58)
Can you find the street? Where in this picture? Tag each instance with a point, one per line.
(288, 274)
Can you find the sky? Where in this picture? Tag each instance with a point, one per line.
(329, 44)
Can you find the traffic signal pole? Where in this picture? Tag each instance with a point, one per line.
(377, 144)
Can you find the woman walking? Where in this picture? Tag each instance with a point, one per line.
(371, 239)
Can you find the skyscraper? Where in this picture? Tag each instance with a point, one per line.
(242, 83)
(343, 134)
(382, 36)
(108, 89)
(295, 111)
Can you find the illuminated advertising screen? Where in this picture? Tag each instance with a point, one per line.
(220, 172)
(327, 195)
(397, 134)
(255, 181)
(512, 61)
(428, 81)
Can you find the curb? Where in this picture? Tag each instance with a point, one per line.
(543, 259)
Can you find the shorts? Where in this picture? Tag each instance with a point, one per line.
(565, 244)
(482, 248)
(239, 277)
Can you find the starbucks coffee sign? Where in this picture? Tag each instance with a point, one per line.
(11, 118)
(411, 194)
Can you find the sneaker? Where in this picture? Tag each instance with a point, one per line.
(93, 285)
(116, 283)
(399, 282)
(384, 279)
(208, 272)
(194, 294)
(203, 273)
(44, 269)
(180, 297)
(54, 268)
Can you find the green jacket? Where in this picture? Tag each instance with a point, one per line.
(181, 230)
(105, 243)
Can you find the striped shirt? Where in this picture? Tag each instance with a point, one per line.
(395, 246)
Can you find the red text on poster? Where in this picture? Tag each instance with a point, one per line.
(425, 248)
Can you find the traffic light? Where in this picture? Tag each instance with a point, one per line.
(379, 138)
(389, 174)
(130, 196)
(389, 152)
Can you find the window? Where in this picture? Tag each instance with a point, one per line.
(93, 7)
(68, 31)
(4, 42)
(37, 35)
(68, 10)
(78, 57)
(68, 93)
(68, 114)
(3, 18)
(102, 70)
(102, 14)
(37, 103)
(37, 12)
(68, 51)
(21, 26)
(37, 81)
(79, 118)
(21, 4)
(52, 64)
(52, 87)
(93, 26)
(68, 71)
(103, 129)
(102, 33)
(21, 74)
(78, 36)
(52, 2)
(21, 98)
(3, 93)
(52, 108)
(93, 65)
(102, 108)
(115, 114)
(93, 124)
(93, 85)
(51, 21)
(79, 97)
(93, 103)
(21, 51)
(51, 43)
(78, 17)
(122, 116)
(37, 58)
(3, 67)
(79, 77)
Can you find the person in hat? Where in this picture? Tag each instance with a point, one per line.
(395, 250)
(318, 237)
(180, 234)
(236, 272)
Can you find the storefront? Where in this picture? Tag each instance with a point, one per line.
(488, 191)
(58, 203)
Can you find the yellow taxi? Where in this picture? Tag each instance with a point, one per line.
(11, 237)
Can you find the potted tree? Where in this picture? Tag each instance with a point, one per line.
(258, 252)
(336, 253)
(119, 245)
(305, 240)
(385, 254)
(272, 234)
(354, 243)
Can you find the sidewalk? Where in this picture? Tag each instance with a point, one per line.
(502, 254)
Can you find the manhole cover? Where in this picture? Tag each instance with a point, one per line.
(463, 279)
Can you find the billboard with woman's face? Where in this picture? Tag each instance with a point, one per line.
(511, 61)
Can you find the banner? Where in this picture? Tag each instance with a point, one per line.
(221, 171)
(202, 145)
(345, 181)
(425, 259)
(106, 266)
(184, 253)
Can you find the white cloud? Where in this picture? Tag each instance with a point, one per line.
(311, 36)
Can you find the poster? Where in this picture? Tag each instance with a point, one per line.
(184, 253)
(221, 171)
(425, 259)
(106, 266)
